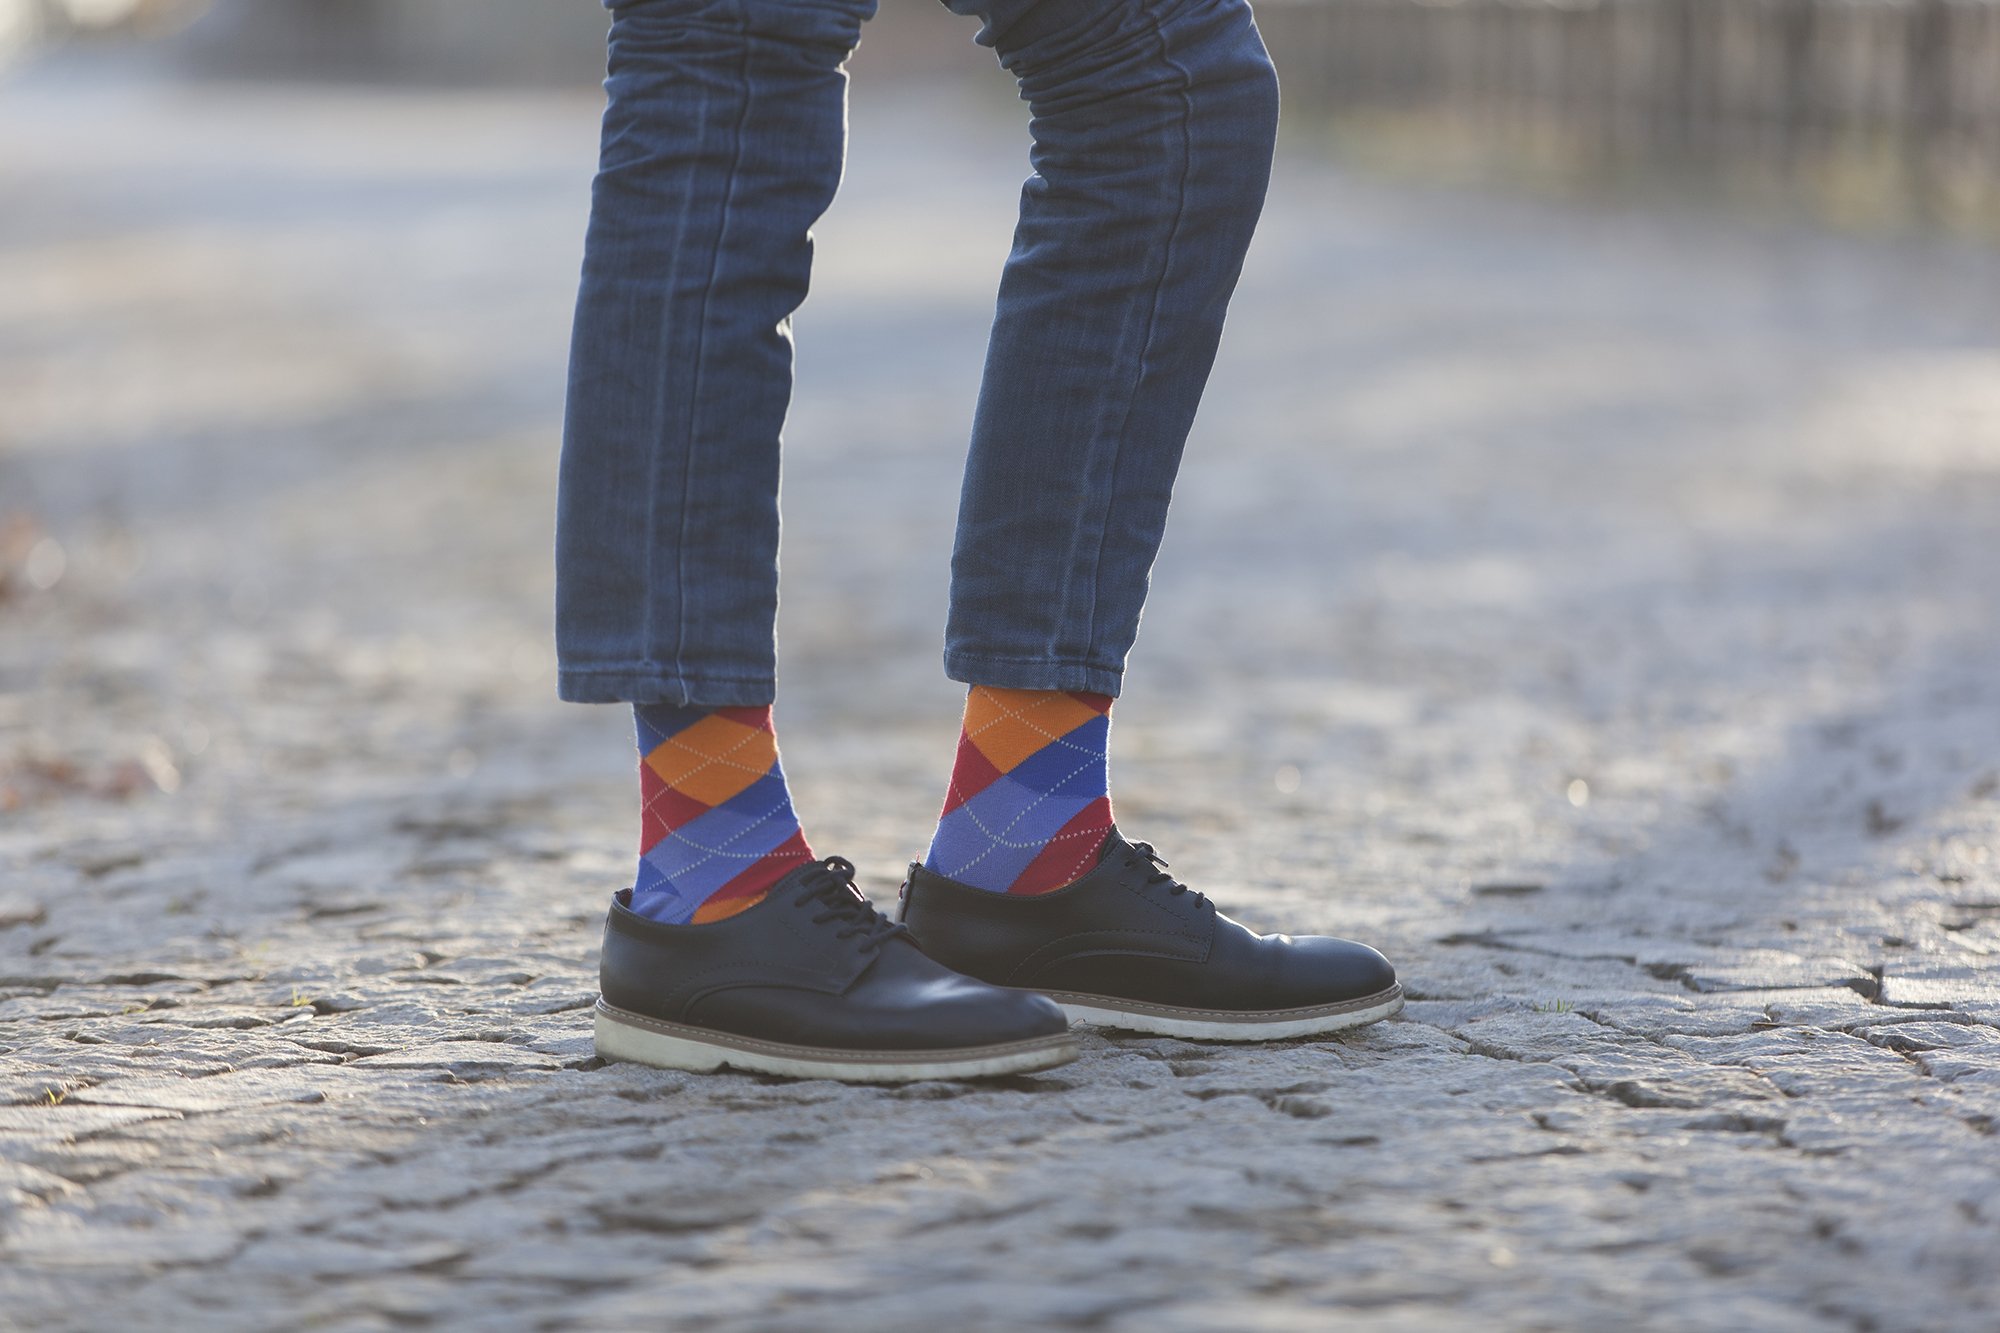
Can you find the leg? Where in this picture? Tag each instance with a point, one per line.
(723, 138)
(723, 143)
(1153, 124)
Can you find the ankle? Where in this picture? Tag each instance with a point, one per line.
(717, 828)
(1028, 806)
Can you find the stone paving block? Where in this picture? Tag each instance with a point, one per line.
(22, 1184)
(572, 1051)
(241, 1018)
(461, 1058)
(1541, 1035)
(559, 999)
(90, 1161)
(67, 1003)
(1801, 1060)
(1950, 1066)
(1698, 967)
(1663, 1078)
(105, 1248)
(65, 1123)
(19, 910)
(326, 1259)
(81, 1062)
(1770, 969)
(26, 1081)
(1842, 1010)
(1654, 1015)
(1924, 1034)
(216, 1093)
(1941, 987)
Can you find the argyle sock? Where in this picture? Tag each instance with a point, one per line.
(1029, 804)
(717, 828)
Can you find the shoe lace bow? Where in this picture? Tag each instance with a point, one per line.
(1157, 871)
(830, 884)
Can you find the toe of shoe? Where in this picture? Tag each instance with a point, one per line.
(991, 1015)
(922, 1002)
(1043, 1017)
(1333, 970)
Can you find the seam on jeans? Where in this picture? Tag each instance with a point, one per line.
(654, 454)
(744, 82)
(1152, 314)
(1035, 661)
(655, 670)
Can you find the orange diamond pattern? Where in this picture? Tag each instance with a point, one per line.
(714, 759)
(1009, 725)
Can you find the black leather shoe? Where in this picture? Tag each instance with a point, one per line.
(811, 982)
(1130, 946)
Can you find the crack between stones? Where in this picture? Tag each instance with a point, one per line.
(1675, 972)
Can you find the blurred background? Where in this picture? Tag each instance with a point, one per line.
(284, 291)
(1870, 110)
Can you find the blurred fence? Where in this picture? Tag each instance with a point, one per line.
(1889, 104)
(1871, 110)
(454, 41)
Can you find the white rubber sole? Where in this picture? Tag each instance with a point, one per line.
(623, 1035)
(1168, 1020)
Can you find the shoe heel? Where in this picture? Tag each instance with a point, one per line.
(618, 1041)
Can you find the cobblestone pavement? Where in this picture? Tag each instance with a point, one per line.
(1593, 607)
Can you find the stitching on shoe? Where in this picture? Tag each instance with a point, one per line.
(716, 1036)
(1115, 1003)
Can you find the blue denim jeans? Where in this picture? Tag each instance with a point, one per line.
(1152, 125)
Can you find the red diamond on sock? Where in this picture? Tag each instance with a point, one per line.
(1071, 853)
(971, 774)
(664, 810)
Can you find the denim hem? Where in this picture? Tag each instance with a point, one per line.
(1022, 673)
(651, 685)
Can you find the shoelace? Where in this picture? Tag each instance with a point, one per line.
(831, 884)
(1157, 871)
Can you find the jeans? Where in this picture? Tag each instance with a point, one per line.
(724, 136)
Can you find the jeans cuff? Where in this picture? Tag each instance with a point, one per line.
(650, 685)
(1018, 673)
